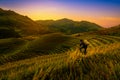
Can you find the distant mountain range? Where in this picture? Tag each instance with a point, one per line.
(69, 26)
(13, 24)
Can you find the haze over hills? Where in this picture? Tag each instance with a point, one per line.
(69, 26)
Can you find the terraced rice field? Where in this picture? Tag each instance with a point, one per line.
(102, 62)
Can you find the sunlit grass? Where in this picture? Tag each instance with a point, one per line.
(102, 62)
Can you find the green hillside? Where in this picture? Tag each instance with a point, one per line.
(69, 26)
(28, 52)
(10, 45)
(102, 62)
(50, 42)
(12, 22)
(8, 33)
(113, 31)
(19, 23)
(19, 49)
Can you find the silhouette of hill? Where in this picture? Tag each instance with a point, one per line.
(113, 31)
(12, 22)
(19, 23)
(69, 26)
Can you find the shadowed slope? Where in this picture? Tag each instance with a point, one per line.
(43, 45)
(19, 23)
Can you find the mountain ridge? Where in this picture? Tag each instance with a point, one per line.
(19, 23)
(69, 26)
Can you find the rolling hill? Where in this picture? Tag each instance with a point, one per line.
(19, 25)
(56, 56)
(113, 31)
(69, 26)
(102, 62)
(14, 49)
(8, 33)
(10, 20)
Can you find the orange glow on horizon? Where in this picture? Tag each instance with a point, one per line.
(105, 14)
(103, 21)
(50, 13)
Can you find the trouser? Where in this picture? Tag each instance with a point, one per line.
(83, 50)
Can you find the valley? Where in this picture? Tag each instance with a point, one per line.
(50, 49)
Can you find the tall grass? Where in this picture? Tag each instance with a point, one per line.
(102, 62)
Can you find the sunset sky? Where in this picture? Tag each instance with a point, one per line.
(103, 12)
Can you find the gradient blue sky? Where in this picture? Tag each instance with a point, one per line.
(102, 12)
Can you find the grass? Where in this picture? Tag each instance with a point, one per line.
(8, 46)
(102, 62)
(43, 45)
